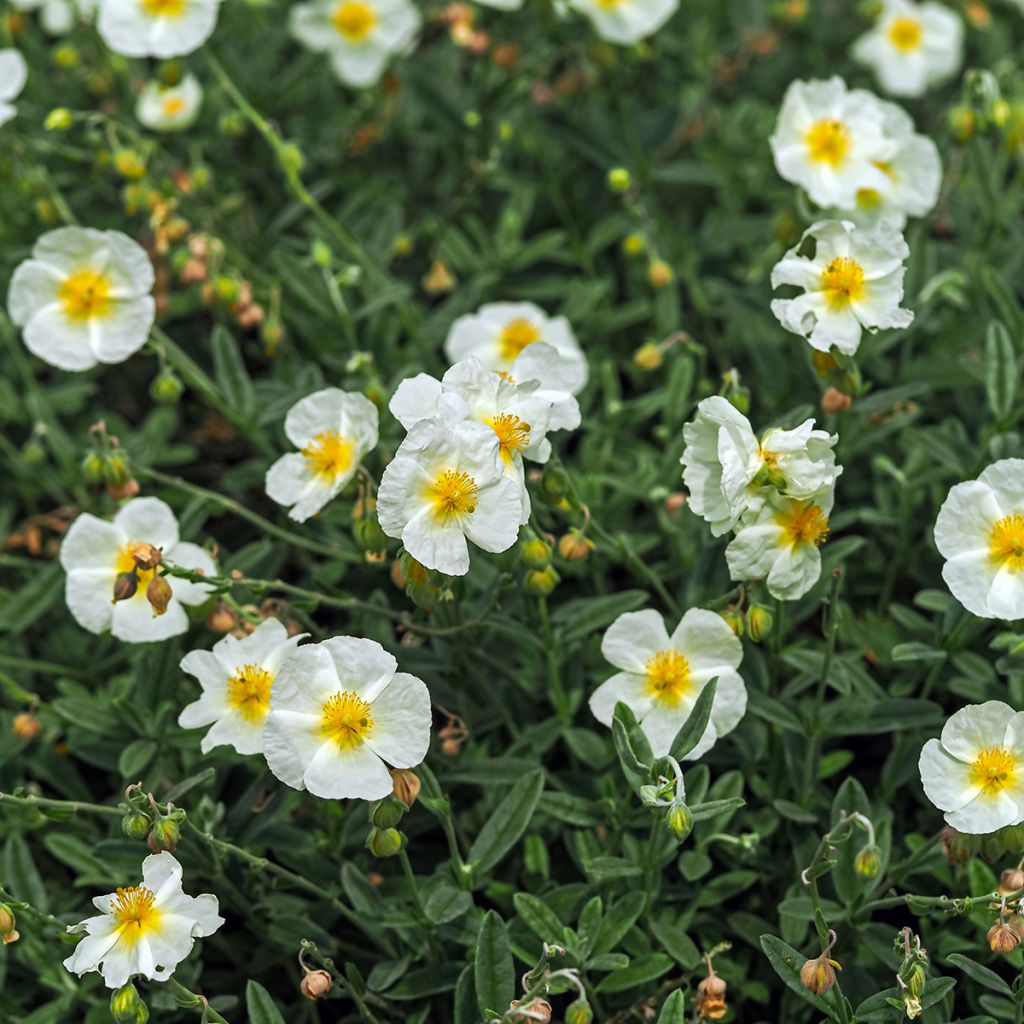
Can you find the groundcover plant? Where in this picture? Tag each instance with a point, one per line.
(511, 512)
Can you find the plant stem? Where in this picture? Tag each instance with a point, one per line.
(558, 694)
(831, 631)
(198, 1001)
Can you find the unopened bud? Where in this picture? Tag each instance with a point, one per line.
(536, 553)
(164, 835)
(619, 179)
(25, 725)
(734, 620)
(648, 356)
(759, 622)
(536, 1011)
(158, 594)
(167, 387)
(541, 582)
(961, 123)
(868, 861)
(291, 158)
(554, 483)
(1002, 938)
(679, 821)
(834, 401)
(7, 923)
(659, 273)
(579, 1012)
(127, 1007)
(675, 503)
(222, 619)
(92, 468)
(135, 824)
(129, 164)
(387, 813)
(818, 975)
(1011, 881)
(125, 585)
(58, 120)
(384, 842)
(116, 470)
(407, 785)
(315, 984)
(574, 546)
(146, 556)
(368, 534)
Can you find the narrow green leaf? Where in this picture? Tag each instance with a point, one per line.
(621, 722)
(673, 1010)
(693, 729)
(1001, 370)
(230, 373)
(259, 1005)
(982, 975)
(21, 876)
(493, 970)
(538, 917)
(509, 821)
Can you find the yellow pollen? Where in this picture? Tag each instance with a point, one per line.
(164, 8)
(905, 34)
(346, 719)
(513, 434)
(329, 454)
(887, 169)
(453, 493)
(1006, 542)
(249, 692)
(354, 20)
(868, 198)
(803, 523)
(609, 5)
(668, 676)
(994, 769)
(515, 336)
(828, 142)
(85, 295)
(842, 281)
(125, 563)
(173, 105)
(135, 913)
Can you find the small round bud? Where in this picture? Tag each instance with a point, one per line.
(471, 119)
(679, 821)
(368, 534)
(58, 120)
(648, 356)
(554, 483)
(222, 619)
(146, 556)
(999, 113)
(164, 835)
(315, 984)
(536, 553)
(384, 842)
(407, 785)
(7, 923)
(574, 546)
(158, 594)
(25, 725)
(291, 158)
(167, 387)
(387, 813)
(868, 861)
(1002, 938)
(66, 57)
(321, 252)
(834, 401)
(127, 1007)
(659, 273)
(734, 620)
(116, 469)
(92, 468)
(129, 164)
(619, 179)
(962, 123)
(135, 824)
(633, 244)
(818, 975)
(579, 1012)
(541, 582)
(537, 1011)
(675, 502)
(759, 622)
(125, 585)
(1011, 881)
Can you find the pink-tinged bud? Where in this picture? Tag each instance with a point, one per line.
(407, 785)
(818, 975)
(315, 984)
(125, 585)
(835, 401)
(25, 725)
(1011, 881)
(158, 594)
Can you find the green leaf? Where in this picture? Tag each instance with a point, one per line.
(623, 724)
(876, 1007)
(21, 876)
(642, 970)
(1002, 372)
(786, 962)
(982, 975)
(673, 1010)
(538, 917)
(493, 970)
(446, 903)
(230, 373)
(135, 758)
(585, 615)
(259, 1005)
(510, 820)
(696, 724)
(618, 920)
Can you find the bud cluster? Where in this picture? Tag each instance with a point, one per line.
(144, 818)
(147, 560)
(384, 839)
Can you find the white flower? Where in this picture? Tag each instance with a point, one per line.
(980, 533)
(661, 676)
(146, 929)
(333, 430)
(156, 28)
(339, 711)
(626, 21)
(726, 467)
(445, 484)
(516, 339)
(975, 771)
(94, 552)
(13, 75)
(56, 16)
(502, 5)
(359, 36)
(912, 46)
(237, 677)
(171, 108)
(830, 141)
(83, 298)
(853, 281)
(515, 413)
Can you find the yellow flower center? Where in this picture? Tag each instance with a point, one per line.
(828, 141)
(1006, 542)
(803, 523)
(453, 493)
(164, 8)
(868, 198)
(994, 769)
(842, 281)
(513, 434)
(668, 676)
(354, 20)
(135, 913)
(515, 336)
(346, 719)
(125, 563)
(329, 454)
(249, 692)
(173, 105)
(905, 34)
(85, 295)
(609, 5)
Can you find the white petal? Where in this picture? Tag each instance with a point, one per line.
(401, 722)
(633, 638)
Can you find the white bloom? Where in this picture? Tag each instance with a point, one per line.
(339, 711)
(515, 413)
(445, 484)
(146, 929)
(778, 543)
(725, 466)
(502, 5)
(626, 21)
(333, 430)
(83, 298)
(980, 533)
(57, 17)
(94, 551)
(13, 75)
(237, 677)
(853, 281)
(830, 140)
(359, 36)
(912, 46)
(975, 771)
(156, 28)
(171, 108)
(661, 676)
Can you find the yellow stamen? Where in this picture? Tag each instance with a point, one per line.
(515, 336)
(609, 5)
(868, 198)
(133, 909)
(85, 295)
(249, 692)
(668, 676)
(905, 34)
(164, 8)
(329, 454)
(828, 142)
(802, 523)
(173, 105)
(842, 281)
(354, 20)
(454, 493)
(994, 769)
(513, 434)
(1006, 542)
(346, 719)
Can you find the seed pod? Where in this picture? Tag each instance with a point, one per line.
(818, 975)
(1002, 938)
(158, 594)
(135, 824)
(315, 984)
(384, 842)
(146, 556)
(407, 785)
(125, 585)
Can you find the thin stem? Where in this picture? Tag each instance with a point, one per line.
(831, 631)
(198, 1002)
(558, 695)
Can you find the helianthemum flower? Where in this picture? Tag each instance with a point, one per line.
(445, 484)
(518, 417)
(145, 929)
(96, 552)
(237, 677)
(339, 712)
(156, 28)
(726, 468)
(170, 108)
(980, 533)
(83, 298)
(853, 281)
(975, 770)
(13, 75)
(626, 21)
(912, 46)
(359, 36)
(829, 140)
(661, 676)
(333, 430)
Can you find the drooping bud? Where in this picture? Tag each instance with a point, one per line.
(146, 556)
(164, 834)
(679, 821)
(711, 997)
(659, 273)
(158, 594)
(537, 1011)
(868, 861)
(25, 725)
(574, 546)
(167, 386)
(759, 622)
(818, 975)
(536, 553)
(127, 1007)
(1002, 938)
(92, 468)
(648, 356)
(384, 842)
(135, 824)
(734, 620)
(1011, 881)
(579, 1012)
(125, 585)
(8, 933)
(315, 984)
(387, 813)
(407, 785)
(541, 582)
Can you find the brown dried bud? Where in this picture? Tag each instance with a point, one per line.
(450, 747)
(251, 315)
(954, 846)
(125, 585)
(574, 546)
(675, 503)
(7, 923)
(712, 985)
(506, 56)
(158, 594)
(26, 726)
(222, 619)
(407, 785)
(538, 1010)
(146, 556)
(128, 489)
(315, 984)
(835, 401)
(818, 975)
(1011, 881)
(1002, 938)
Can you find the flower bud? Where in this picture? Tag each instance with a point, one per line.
(818, 975)
(633, 245)
(407, 785)
(384, 842)
(58, 120)
(868, 861)
(7, 923)
(619, 179)
(536, 553)
(759, 622)
(368, 534)
(734, 620)
(574, 546)
(659, 273)
(146, 556)
(158, 594)
(167, 387)
(127, 1007)
(554, 483)
(541, 582)
(25, 725)
(135, 824)
(92, 468)
(962, 123)
(537, 1011)
(1002, 938)
(387, 813)
(291, 158)
(116, 470)
(579, 1012)
(834, 401)
(222, 619)
(164, 835)
(315, 984)
(1011, 881)
(679, 821)
(648, 356)
(125, 585)
(129, 164)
